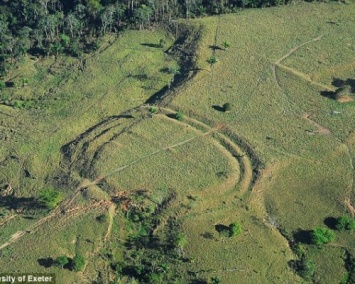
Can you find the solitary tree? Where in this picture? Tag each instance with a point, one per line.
(179, 116)
(49, 197)
(320, 236)
(235, 229)
(227, 107)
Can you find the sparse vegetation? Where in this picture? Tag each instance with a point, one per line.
(279, 162)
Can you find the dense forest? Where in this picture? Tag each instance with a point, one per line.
(44, 27)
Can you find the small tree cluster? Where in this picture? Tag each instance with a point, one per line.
(345, 223)
(306, 268)
(76, 264)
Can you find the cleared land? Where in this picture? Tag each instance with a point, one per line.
(279, 162)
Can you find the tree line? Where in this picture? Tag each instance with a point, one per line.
(45, 27)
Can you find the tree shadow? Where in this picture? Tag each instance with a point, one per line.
(198, 281)
(16, 203)
(154, 45)
(45, 262)
(10, 84)
(303, 236)
(330, 222)
(328, 94)
(143, 242)
(140, 77)
(221, 228)
(337, 82)
(165, 70)
(218, 108)
(207, 235)
(215, 47)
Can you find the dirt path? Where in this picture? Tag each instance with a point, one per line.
(111, 214)
(278, 61)
(320, 129)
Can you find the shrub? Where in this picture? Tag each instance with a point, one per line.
(212, 60)
(215, 280)
(345, 223)
(320, 236)
(180, 240)
(78, 263)
(235, 229)
(2, 84)
(226, 45)
(162, 43)
(227, 107)
(60, 261)
(179, 116)
(102, 218)
(153, 109)
(306, 268)
(49, 197)
(175, 70)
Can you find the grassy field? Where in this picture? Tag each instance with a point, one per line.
(279, 162)
(304, 138)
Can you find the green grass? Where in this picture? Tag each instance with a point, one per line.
(307, 174)
(307, 161)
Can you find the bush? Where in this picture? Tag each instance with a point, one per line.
(320, 236)
(49, 197)
(180, 240)
(162, 43)
(102, 218)
(215, 280)
(226, 45)
(235, 229)
(179, 116)
(153, 109)
(78, 263)
(175, 70)
(345, 223)
(227, 107)
(2, 84)
(212, 60)
(306, 268)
